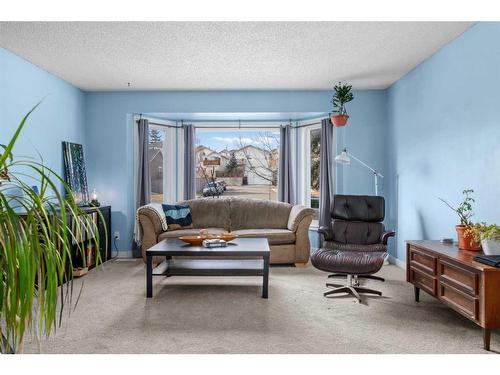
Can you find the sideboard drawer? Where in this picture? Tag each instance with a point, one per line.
(463, 279)
(459, 301)
(423, 261)
(423, 281)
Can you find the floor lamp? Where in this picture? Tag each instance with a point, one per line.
(345, 158)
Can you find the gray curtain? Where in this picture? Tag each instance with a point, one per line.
(143, 177)
(286, 190)
(189, 162)
(325, 171)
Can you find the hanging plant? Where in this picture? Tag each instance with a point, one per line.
(343, 94)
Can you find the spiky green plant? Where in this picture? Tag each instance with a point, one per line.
(37, 231)
(342, 95)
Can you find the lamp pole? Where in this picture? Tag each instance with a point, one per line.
(376, 174)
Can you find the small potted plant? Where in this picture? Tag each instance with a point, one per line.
(466, 240)
(342, 95)
(488, 235)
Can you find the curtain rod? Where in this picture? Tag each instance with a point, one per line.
(234, 126)
(304, 125)
(165, 125)
(212, 127)
(237, 127)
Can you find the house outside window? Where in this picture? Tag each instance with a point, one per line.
(244, 161)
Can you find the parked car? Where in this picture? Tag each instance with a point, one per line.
(223, 184)
(212, 188)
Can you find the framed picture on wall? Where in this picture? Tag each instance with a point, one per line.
(75, 173)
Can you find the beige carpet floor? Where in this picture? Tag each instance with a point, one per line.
(227, 315)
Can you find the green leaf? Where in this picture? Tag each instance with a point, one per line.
(36, 248)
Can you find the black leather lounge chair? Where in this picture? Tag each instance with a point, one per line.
(355, 244)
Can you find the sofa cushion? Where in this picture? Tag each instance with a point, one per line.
(178, 216)
(210, 212)
(259, 214)
(187, 232)
(274, 236)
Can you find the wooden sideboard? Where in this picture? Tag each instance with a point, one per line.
(451, 275)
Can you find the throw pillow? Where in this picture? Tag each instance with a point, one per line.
(178, 216)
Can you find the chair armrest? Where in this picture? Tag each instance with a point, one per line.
(297, 214)
(326, 232)
(385, 236)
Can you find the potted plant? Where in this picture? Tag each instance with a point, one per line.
(35, 247)
(488, 235)
(341, 96)
(466, 240)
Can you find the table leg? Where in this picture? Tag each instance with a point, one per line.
(417, 293)
(149, 276)
(486, 338)
(265, 277)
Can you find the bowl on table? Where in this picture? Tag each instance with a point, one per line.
(227, 236)
(197, 240)
(192, 240)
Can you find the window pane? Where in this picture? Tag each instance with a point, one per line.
(242, 163)
(156, 162)
(314, 147)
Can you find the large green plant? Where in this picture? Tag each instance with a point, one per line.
(37, 232)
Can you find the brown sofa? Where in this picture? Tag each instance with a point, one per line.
(285, 226)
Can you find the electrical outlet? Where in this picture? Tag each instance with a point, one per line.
(117, 235)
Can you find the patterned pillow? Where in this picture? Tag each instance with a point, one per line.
(178, 216)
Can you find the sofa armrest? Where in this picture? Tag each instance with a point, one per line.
(154, 212)
(297, 214)
(326, 232)
(151, 225)
(302, 242)
(385, 236)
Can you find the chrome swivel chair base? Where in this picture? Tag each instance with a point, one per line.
(350, 288)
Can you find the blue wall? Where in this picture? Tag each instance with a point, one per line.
(444, 136)
(61, 116)
(110, 136)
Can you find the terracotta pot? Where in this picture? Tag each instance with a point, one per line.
(339, 120)
(466, 241)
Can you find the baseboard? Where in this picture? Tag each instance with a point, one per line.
(399, 263)
(124, 254)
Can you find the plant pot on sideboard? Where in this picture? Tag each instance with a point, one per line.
(491, 247)
(466, 240)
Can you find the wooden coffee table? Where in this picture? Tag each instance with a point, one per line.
(234, 263)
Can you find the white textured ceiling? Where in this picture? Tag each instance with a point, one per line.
(227, 55)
